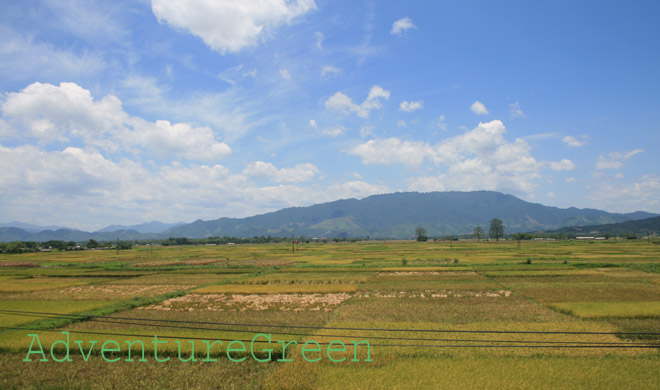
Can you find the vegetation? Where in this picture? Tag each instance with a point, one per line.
(496, 230)
(567, 286)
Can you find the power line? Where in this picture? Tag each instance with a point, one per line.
(637, 346)
(112, 321)
(343, 328)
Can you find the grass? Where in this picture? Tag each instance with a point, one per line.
(609, 309)
(569, 286)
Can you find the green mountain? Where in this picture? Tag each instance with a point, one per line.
(396, 216)
(379, 216)
(641, 227)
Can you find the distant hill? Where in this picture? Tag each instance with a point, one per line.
(641, 227)
(148, 227)
(28, 227)
(396, 216)
(379, 216)
(16, 234)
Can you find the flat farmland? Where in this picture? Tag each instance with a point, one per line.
(409, 315)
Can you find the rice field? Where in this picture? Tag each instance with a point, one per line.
(471, 315)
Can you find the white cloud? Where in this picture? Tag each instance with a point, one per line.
(312, 123)
(82, 188)
(440, 123)
(299, 173)
(563, 165)
(319, 39)
(51, 113)
(574, 142)
(229, 25)
(285, 74)
(343, 103)
(411, 106)
(551, 195)
(393, 150)
(402, 25)
(515, 111)
(401, 123)
(640, 194)
(32, 60)
(329, 70)
(334, 132)
(477, 159)
(571, 180)
(478, 108)
(366, 131)
(615, 160)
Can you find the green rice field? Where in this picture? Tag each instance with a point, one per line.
(367, 315)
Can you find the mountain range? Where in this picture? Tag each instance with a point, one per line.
(379, 216)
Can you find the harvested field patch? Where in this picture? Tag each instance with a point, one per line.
(276, 288)
(435, 294)
(241, 302)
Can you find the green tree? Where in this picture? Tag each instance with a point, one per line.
(478, 231)
(496, 230)
(420, 233)
(92, 243)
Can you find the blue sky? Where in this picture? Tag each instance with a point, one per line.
(129, 111)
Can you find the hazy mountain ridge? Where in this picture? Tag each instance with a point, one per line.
(396, 216)
(379, 216)
(640, 226)
(147, 227)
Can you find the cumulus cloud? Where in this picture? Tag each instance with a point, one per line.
(411, 106)
(297, 174)
(401, 123)
(402, 25)
(563, 165)
(393, 150)
(80, 187)
(571, 180)
(285, 74)
(478, 108)
(574, 142)
(50, 113)
(478, 159)
(312, 123)
(615, 160)
(341, 102)
(229, 25)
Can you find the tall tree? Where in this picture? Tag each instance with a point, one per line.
(420, 233)
(478, 231)
(496, 230)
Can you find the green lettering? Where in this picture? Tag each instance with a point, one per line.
(104, 350)
(40, 351)
(230, 350)
(342, 349)
(270, 351)
(305, 349)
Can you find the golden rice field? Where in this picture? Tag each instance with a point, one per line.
(367, 315)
